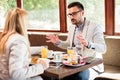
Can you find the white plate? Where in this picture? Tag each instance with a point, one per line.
(55, 52)
(77, 65)
(55, 61)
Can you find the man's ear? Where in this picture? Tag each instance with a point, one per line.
(82, 13)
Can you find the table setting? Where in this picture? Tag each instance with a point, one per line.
(62, 63)
(59, 58)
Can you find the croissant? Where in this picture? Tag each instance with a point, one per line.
(34, 60)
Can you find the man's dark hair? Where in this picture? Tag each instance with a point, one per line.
(78, 4)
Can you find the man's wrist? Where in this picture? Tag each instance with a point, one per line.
(57, 43)
(89, 45)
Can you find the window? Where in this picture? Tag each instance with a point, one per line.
(93, 11)
(5, 5)
(43, 14)
(117, 16)
(112, 17)
(50, 15)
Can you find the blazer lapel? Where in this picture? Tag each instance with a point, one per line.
(72, 34)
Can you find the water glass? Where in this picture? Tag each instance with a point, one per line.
(58, 57)
(78, 49)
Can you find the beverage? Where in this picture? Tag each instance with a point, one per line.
(79, 49)
(72, 54)
(44, 52)
(58, 57)
(70, 50)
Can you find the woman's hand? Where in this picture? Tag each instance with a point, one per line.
(44, 62)
(52, 38)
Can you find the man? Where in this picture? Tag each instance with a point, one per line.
(83, 33)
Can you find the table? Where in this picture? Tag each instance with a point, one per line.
(64, 71)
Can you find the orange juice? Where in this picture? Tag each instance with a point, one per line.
(44, 52)
(70, 50)
(72, 54)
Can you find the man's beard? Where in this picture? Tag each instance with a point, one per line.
(73, 21)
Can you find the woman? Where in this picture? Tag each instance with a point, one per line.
(15, 52)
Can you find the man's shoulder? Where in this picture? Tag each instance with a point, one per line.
(88, 22)
(92, 25)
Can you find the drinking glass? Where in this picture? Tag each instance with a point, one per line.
(78, 45)
(79, 49)
(58, 59)
(44, 52)
(70, 50)
(72, 54)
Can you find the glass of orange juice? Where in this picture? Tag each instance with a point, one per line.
(70, 50)
(44, 52)
(72, 53)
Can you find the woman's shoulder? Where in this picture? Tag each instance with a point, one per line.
(16, 38)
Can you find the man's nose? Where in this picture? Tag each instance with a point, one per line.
(71, 17)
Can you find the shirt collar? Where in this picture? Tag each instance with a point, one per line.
(80, 27)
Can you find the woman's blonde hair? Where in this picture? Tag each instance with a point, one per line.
(16, 22)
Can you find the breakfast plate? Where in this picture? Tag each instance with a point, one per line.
(66, 63)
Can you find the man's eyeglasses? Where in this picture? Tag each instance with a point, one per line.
(73, 14)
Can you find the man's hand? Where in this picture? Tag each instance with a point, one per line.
(82, 40)
(52, 38)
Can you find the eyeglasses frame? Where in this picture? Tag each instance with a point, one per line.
(74, 13)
